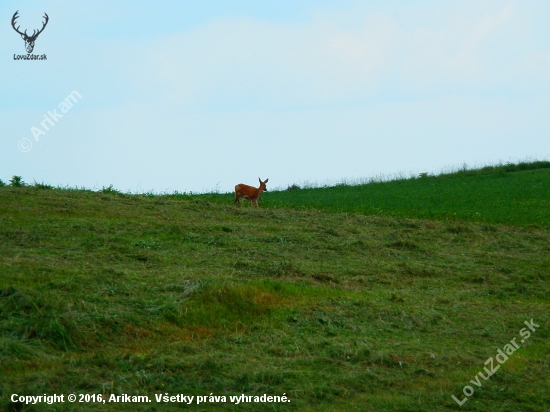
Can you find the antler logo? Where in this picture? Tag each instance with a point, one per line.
(29, 40)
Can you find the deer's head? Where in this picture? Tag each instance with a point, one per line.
(29, 40)
(262, 184)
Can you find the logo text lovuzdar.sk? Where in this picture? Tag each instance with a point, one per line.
(29, 39)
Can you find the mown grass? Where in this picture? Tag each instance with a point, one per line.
(113, 293)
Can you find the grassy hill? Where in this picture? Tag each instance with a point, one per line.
(516, 194)
(343, 298)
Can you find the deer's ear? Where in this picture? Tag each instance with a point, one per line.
(260, 180)
(266, 180)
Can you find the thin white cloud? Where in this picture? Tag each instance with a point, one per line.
(235, 61)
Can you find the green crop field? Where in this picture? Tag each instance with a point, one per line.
(389, 296)
(494, 194)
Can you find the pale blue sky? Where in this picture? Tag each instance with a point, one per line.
(190, 95)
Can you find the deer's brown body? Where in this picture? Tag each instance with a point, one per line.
(249, 192)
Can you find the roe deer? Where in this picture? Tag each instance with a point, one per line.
(249, 192)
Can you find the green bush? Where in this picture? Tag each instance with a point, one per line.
(17, 181)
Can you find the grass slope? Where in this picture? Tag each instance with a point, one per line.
(508, 194)
(106, 293)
